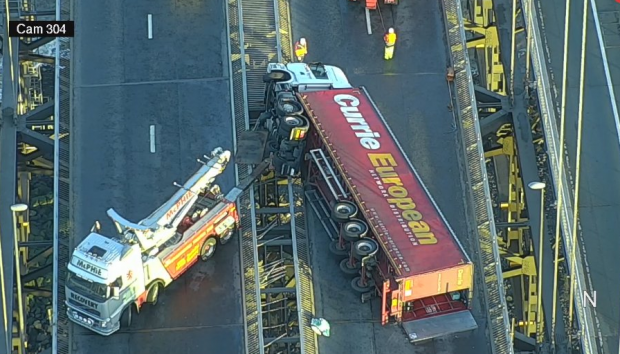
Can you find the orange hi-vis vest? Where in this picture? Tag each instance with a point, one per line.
(300, 50)
(390, 39)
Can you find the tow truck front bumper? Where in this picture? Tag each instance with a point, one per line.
(97, 325)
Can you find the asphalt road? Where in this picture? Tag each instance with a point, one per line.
(599, 205)
(177, 81)
(412, 94)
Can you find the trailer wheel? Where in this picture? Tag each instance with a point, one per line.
(365, 248)
(226, 236)
(354, 229)
(357, 285)
(208, 249)
(343, 211)
(345, 267)
(153, 294)
(126, 317)
(334, 248)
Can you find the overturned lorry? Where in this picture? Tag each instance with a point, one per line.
(393, 239)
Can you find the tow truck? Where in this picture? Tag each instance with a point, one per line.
(111, 278)
(390, 235)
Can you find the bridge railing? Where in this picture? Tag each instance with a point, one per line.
(62, 222)
(552, 140)
(469, 126)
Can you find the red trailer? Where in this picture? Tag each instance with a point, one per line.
(392, 236)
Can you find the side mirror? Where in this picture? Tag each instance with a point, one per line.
(96, 227)
(115, 291)
(153, 252)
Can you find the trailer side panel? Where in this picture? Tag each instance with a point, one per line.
(407, 222)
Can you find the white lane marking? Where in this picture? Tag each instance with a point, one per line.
(152, 136)
(612, 95)
(150, 25)
(368, 21)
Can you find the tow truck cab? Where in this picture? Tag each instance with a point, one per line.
(104, 277)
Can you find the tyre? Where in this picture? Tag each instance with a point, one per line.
(288, 123)
(153, 294)
(365, 248)
(354, 229)
(126, 317)
(334, 248)
(208, 249)
(276, 75)
(344, 211)
(357, 285)
(345, 267)
(227, 236)
(288, 107)
(273, 146)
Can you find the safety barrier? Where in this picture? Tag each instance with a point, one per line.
(62, 217)
(497, 309)
(547, 112)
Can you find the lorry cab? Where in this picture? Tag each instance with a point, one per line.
(308, 77)
(104, 277)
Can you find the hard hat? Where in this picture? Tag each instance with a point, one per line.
(391, 30)
(302, 41)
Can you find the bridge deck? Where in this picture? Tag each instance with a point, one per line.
(176, 81)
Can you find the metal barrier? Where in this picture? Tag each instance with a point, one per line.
(547, 112)
(248, 64)
(501, 340)
(62, 217)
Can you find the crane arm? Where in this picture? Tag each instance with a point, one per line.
(160, 225)
(186, 196)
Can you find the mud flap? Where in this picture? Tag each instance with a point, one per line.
(385, 305)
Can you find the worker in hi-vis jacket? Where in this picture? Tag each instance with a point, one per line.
(301, 49)
(390, 42)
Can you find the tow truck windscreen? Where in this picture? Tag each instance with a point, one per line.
(86, 287)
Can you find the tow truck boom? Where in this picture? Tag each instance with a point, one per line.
(161, 225)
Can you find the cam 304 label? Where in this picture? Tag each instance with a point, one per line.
(36, 29)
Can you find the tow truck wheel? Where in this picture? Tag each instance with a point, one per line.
(126, 317)
(226, 236)
(357, 285)
(354, 229)
(208, 249)
(153, 294)
(334, 248)
(343, 211)
(365, 248)
(345, 267)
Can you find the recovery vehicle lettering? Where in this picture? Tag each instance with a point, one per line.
(357, 121)
(89, 267)
(180, 204)
(398, 196)
(83, 300)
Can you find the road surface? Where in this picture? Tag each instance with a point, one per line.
(600, 167)
(177, 81)
(412, 93)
